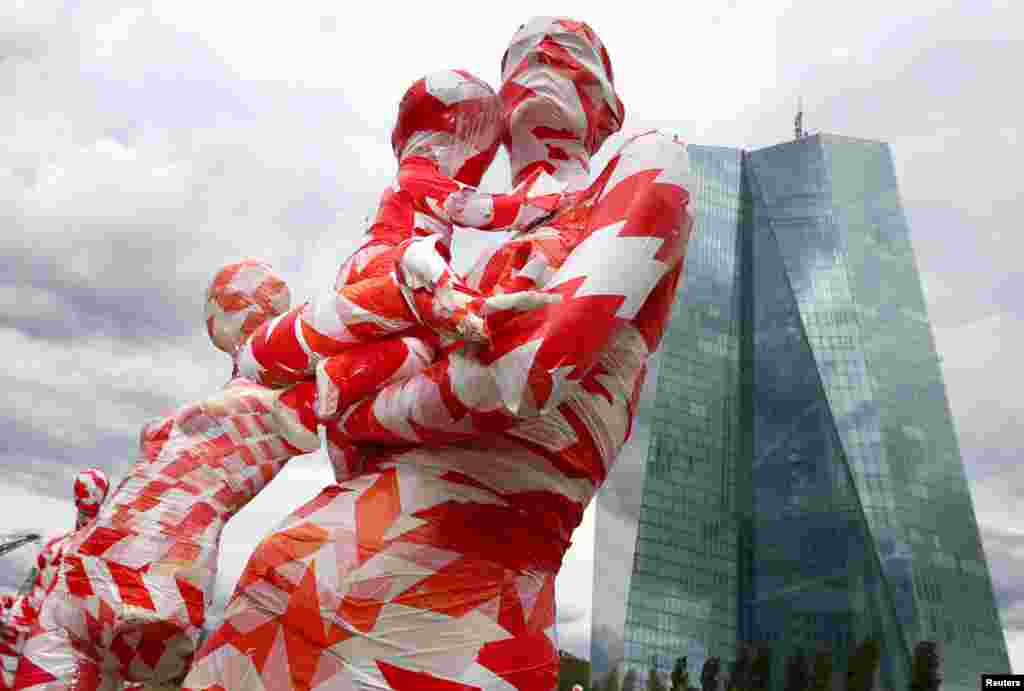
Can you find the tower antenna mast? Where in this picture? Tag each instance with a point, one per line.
(798, 121)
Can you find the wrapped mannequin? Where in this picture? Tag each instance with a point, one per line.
(133, 594)
(434, 567)
(131, 597)
(90, 490)
(399, 282)
(432, 564)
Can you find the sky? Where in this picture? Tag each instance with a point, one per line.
(144, 145)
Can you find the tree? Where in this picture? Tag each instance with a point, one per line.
(739, 678)
(680, 675)
(629, 682)
(572, 670)
(925, 674)
(654, 681)
(761, 668)
(798, 676)
(611, 682)
(863, 665)
(709, 674)
(822, 678)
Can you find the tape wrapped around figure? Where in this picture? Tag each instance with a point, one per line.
(136, 582)
(90, 489)
(129, 599)
(432, 564)
(462, 472)
(241, 297)
(447, 133)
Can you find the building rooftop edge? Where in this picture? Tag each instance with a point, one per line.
(816, 135)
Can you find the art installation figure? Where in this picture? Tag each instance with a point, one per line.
(133, 598)
(464, 459)
(399, 280)
(132, 595)
(6, 605)
(90, 490)
(432, 564)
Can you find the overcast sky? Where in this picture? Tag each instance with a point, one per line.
(143, 145)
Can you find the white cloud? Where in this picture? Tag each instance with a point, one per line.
(1015, 643)
(976, 359)
(149, 145)
(53, 382)
(574, 589)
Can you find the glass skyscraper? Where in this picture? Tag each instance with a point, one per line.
(795, 480)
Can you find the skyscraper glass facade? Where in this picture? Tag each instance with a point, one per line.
(675, 592)
(798, 483)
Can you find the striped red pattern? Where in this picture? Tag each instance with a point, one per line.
(136, 581)
(432, 565)
(459, 494)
